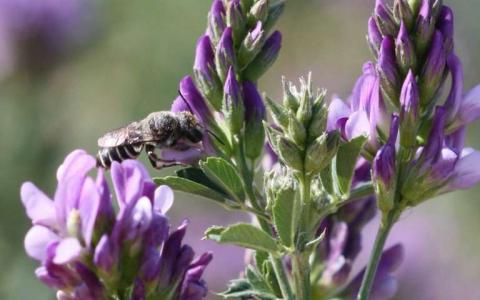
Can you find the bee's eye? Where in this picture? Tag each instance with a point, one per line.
(195, 135)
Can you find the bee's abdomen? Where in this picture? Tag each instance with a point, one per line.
(106, 156)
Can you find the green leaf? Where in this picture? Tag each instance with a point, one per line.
(244, 235)
(241, 288)
(257, 280)
(224, 175)
(197, 175)
(188, 186)
(327, 180)
(286, 212)
(344, 164)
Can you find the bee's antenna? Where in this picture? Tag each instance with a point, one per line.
(186, 102)
(215, 136)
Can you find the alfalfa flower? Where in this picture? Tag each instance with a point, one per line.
(89, 250)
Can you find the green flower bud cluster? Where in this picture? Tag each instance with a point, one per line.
(299, 136)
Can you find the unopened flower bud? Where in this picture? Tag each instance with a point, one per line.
(251, 45)
(233, 108)
(275, 10)
(434, 145)
(374, 36)
(318, 123)
(384, 19)
(225, 54)
(445, 25)
(296, 130)
(259, 10)
(405, 51)
(433, 73)
(254, 115)
(321, 151)
(279, 113)
(409, 102)
(236, 20)
(195, 100)
(384, 170)
(216, 21)
(387, 68)
(205, 75)
(425, 27)
(289, 101)
(403, 13)
(289, 153)
(305, 110)
(265, 58)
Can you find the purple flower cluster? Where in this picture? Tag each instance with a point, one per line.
(234, 52)
(414, 50)
(36, 35)
(88, 250)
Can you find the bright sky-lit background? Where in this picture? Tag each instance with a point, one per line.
(131, 65)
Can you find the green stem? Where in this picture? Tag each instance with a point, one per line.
(300, 259)
(382, 234)
(301, 276)
(262, 219)
(282, 278)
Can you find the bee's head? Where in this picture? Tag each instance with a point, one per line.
(190, 127)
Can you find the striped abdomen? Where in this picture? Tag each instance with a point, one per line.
(105, 156)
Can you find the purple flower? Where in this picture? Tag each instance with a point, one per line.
(432, 75)
(79, 229)
(42, 33)
(374, 36)
(216, 20)
(367, 112)
(384, 170)
(409, 111)
(469, 110)
(387, 68)
(233, 106)
(195, 100)
(405, 50)
(265, 59)
(445, 24)
(384, 19)
(255, 114)
(205, 72)
(225, 57)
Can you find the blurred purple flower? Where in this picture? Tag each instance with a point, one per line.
(42, 33)
(79, 229)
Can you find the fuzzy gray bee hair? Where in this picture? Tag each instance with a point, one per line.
(159, 130)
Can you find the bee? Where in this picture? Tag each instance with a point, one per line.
(159, 130)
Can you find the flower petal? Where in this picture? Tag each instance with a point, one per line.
(68, 249)
(467, 172)
(89, 205)
(163, 199)
(470, 107)
(357, 125)
(76, 163)
(40, 209)
(336, 110)
(37, 240)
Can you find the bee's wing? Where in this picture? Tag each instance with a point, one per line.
(133, 133)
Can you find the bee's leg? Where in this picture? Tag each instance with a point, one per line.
(156, 161)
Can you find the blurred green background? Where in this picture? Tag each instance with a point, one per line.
(136, 53)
